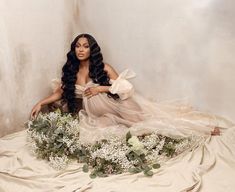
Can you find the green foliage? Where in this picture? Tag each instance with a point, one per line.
(85, 168)
(56, 138)
(148, 173)
(128, 136)
(135, 170)
(93, 175)
(156, 166)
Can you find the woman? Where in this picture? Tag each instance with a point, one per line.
(111, 108)
(107, 97)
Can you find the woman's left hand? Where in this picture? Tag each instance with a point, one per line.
(91, 91)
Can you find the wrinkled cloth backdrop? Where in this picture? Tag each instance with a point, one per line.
(179, 49)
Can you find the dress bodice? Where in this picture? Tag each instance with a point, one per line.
(81, 88)
(119, 86)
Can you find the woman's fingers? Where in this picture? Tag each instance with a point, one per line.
(33, 114)
(88, 92)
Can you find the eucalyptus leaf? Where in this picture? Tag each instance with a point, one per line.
(142, 156)
(131, 170)
(83, 150)
(148, 173)
(134, 170)
(128, 136)
(93, 176)
(82, 159)
(146, 168)
(138, 152)
(156, 166)
(85, 168)
(101, 174)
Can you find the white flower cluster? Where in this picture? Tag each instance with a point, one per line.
(29, 124)
(44, 117)
(150, 141)
(76, 145)
(154, 156)
(67, 141)
(114, 150)
(184, 144)
(188, 143)
(53, 116)
(72, 127)
(55, 136)
(58, 162)
(136, 145)
(38, 137)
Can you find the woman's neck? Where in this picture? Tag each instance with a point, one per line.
(84, 64)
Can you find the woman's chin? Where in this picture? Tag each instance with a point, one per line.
(82, 58)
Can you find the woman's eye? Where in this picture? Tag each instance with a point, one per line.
(87, 46)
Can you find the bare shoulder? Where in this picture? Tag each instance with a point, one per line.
(108, 67)
(111, 71)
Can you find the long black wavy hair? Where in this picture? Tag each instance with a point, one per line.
(71, 68)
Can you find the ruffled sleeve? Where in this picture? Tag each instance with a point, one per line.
(55, 83)
(122, 86)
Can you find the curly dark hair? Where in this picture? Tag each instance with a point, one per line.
(71, 68)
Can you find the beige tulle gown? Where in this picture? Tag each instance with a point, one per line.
(208, 168)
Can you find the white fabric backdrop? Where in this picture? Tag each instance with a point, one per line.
(178, 49)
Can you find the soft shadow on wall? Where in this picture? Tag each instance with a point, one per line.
(35, 37)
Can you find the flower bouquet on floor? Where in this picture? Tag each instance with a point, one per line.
(54, 136)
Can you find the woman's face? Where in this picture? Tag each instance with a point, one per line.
(82, 49)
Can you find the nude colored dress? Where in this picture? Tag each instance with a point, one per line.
(102, 116)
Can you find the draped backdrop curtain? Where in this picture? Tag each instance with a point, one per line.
(179, 49)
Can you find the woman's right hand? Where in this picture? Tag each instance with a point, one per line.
(36, 109)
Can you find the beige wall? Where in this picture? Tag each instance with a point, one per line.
(179, 49)
(34, 38)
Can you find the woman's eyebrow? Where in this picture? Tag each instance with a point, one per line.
(82, 44)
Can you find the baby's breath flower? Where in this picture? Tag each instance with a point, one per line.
(58, 162)
(55, 137)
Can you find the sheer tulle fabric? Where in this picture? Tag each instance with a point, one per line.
(102, 116)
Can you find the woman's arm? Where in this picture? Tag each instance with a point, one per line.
(101, 89)
(111, 71)
(50, 99)
(112, 75)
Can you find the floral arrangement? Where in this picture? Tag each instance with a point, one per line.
(55, 137)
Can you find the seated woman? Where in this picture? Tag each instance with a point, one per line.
(108, 99)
